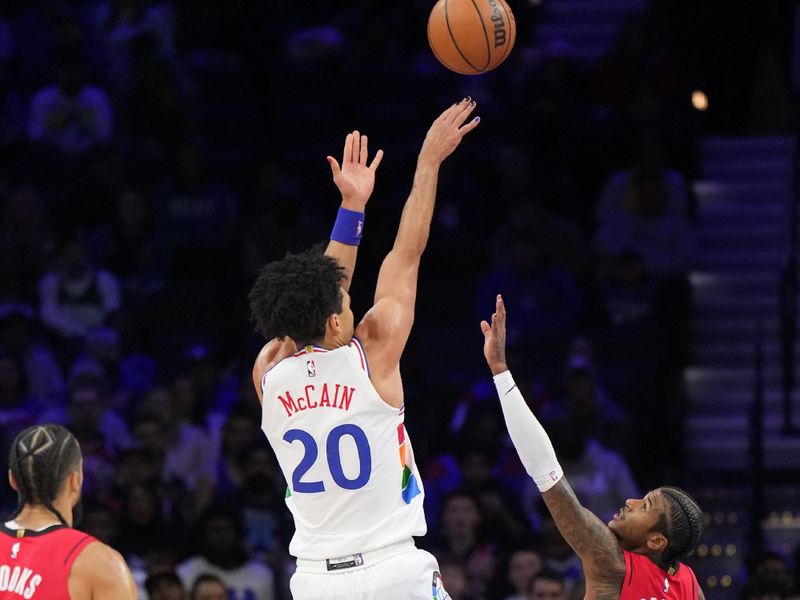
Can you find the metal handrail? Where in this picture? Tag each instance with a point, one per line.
(756, 536)
(788, 305)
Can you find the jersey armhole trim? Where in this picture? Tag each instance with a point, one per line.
(77, 545)
(629, 561)
(361, 354)
(696, 585)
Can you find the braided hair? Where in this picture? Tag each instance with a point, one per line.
(41, 459)
(682, 527)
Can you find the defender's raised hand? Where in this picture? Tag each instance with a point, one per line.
(447, 130)
(494, 338)
(354, 178)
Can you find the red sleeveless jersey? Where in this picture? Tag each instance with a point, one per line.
(644, 580)
(35, 565)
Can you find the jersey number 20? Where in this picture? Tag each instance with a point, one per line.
(334, 459)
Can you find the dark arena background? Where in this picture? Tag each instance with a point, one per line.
(631, 190)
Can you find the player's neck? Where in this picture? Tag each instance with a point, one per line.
(39, 516)
(330, 342)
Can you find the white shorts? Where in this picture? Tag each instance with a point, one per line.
(399, 572)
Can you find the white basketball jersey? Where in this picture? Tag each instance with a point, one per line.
(353, 485)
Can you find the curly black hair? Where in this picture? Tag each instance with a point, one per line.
(295, 296)
(682, 527)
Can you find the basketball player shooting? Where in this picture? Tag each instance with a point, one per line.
(41, 556)
(332, 395)
(637, 554)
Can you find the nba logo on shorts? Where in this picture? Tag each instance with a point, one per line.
(312, 368)
(15, 551)
(666, 585)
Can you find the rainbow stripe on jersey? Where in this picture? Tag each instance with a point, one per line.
(409, 486)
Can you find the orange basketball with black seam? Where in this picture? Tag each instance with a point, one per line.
(471, 36)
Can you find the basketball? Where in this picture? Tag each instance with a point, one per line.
(471, 36)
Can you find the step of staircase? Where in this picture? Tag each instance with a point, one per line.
(739, 401)
(716, 148)
(733, 453)
(732, 329)
(702, 381)
(743, 354)
(772, 168)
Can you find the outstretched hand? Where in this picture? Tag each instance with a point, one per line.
(447, 130)
(494, 339)
(354, 178)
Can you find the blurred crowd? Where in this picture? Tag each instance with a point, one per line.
(154, 154)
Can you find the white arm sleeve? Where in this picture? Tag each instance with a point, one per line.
(530, 439)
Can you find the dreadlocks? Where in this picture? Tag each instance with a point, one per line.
(41, 459)
(683, 525)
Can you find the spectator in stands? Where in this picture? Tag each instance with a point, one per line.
(769, 575)
(558, 555)
(100, 520)
(181, 450)
(461, 539)
(208, 587)
(77, 297)
(523, 565)
(267, 525)
(128, 246)
(165, 585)
(221, 551)
(599, 476)
(130, 32)
(547, 585)
(26, 240)
(585, 402)
(72, 116)
(240, 431)
(547, 304)
(645, 209)
(562, 242)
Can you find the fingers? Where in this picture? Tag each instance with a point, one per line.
(335, 169)
(451, 112)
(362, 158)
(376, 161)
(501, 307)
(356, 146)
(465, 108)
(485, 328)
(347, 154)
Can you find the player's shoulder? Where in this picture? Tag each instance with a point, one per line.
(98, 557)
(102, 569)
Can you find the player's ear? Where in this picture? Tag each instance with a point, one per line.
(657, 541)
(74, 482)
(12, 482)
(334, 323)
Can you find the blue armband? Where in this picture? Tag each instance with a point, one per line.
(349, 227)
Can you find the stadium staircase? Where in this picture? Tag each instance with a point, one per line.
(743, 200)
(743, 208)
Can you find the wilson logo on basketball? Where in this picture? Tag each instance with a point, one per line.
(499, 24)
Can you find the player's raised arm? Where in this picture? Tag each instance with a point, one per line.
(385, 328)
(596, 545)
(355, 180)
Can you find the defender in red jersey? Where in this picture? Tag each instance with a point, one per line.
(637, 555)
(41, 556)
